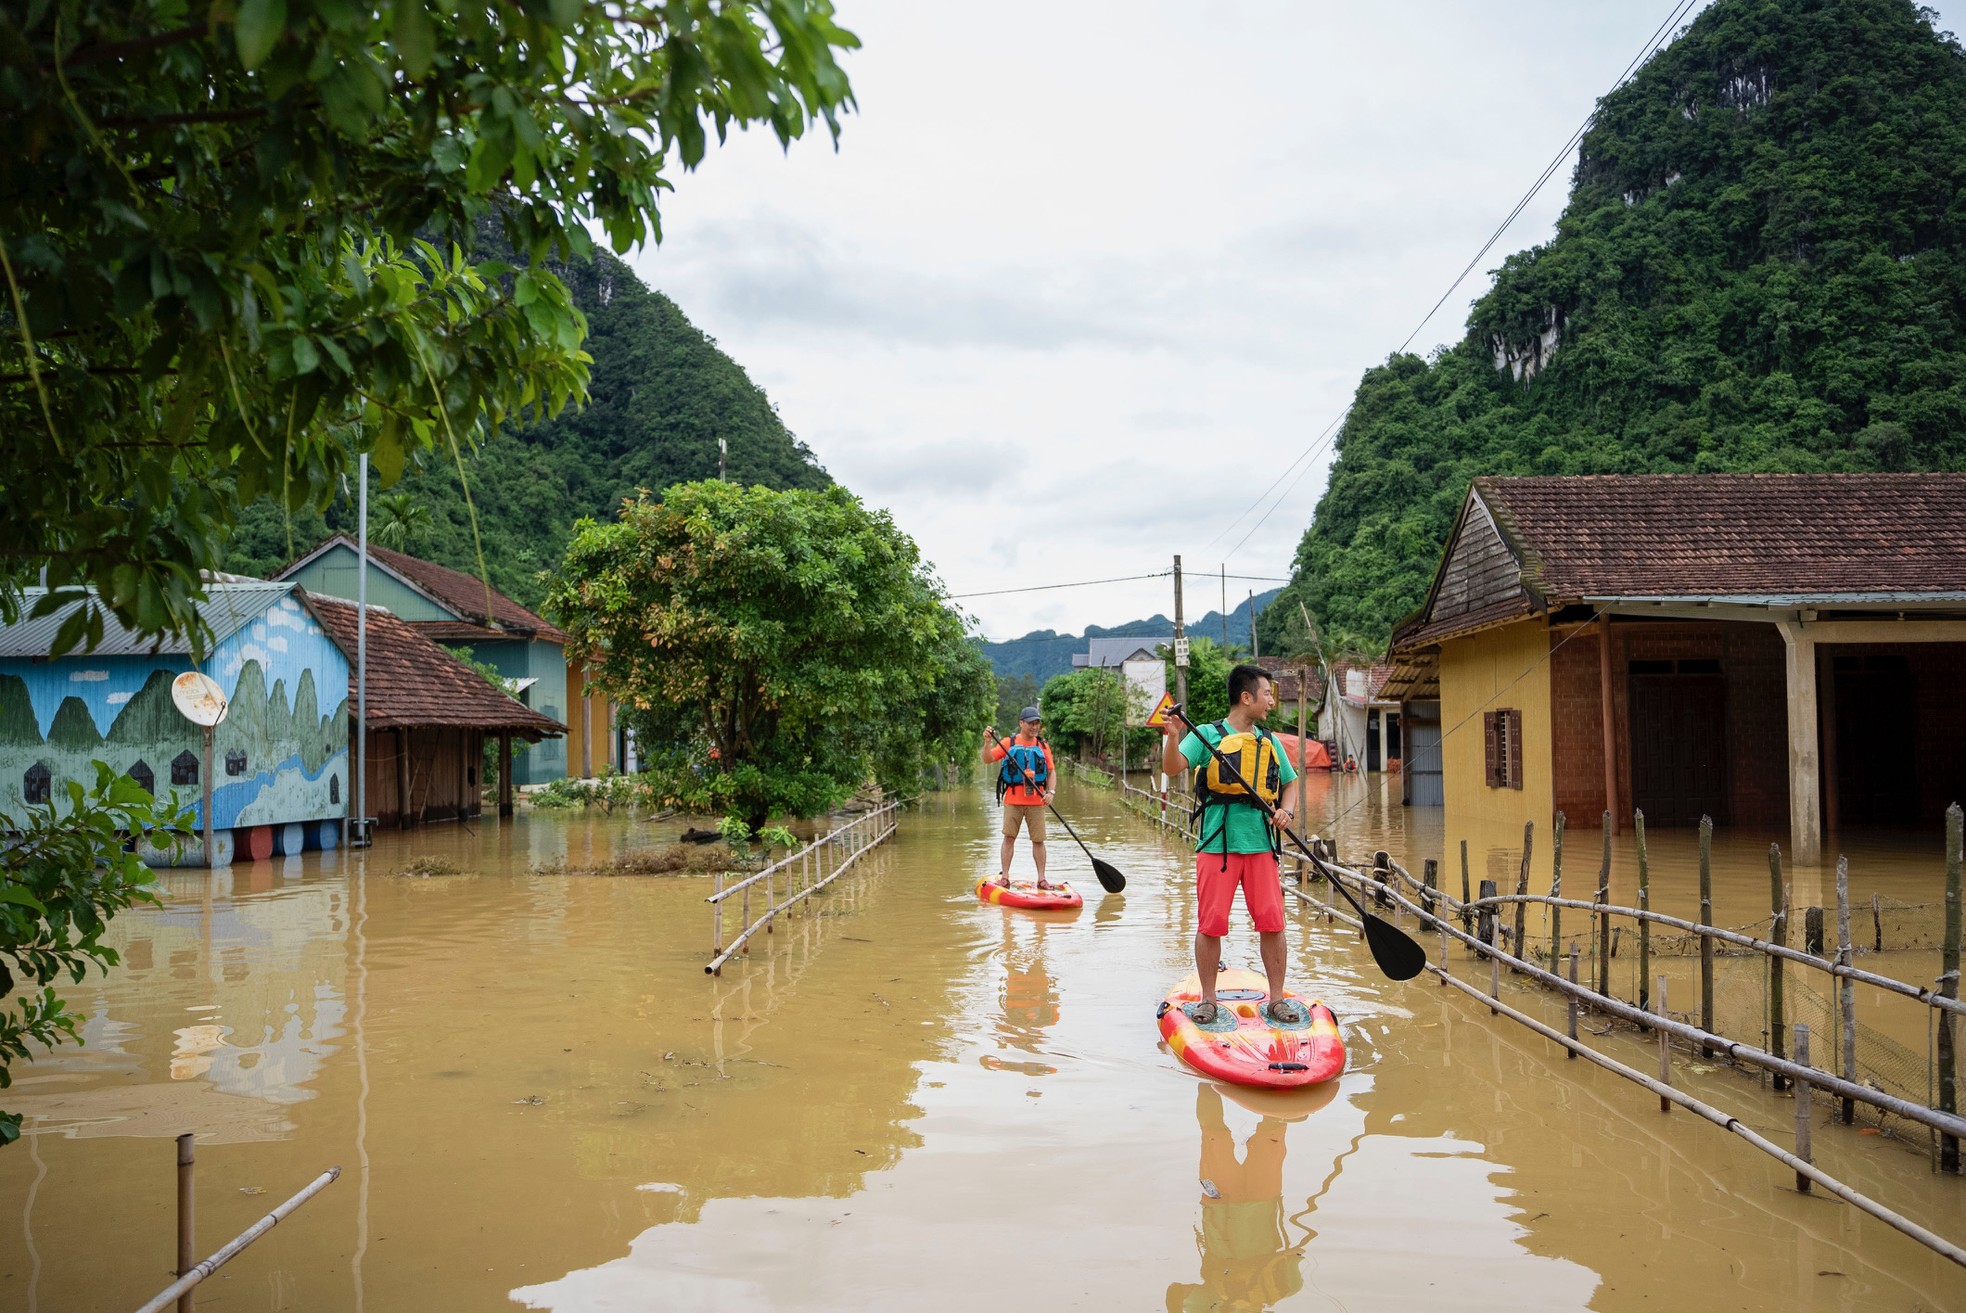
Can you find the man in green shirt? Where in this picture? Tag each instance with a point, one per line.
(1237, 846)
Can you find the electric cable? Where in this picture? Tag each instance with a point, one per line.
(1679, 10)
(1082, 583)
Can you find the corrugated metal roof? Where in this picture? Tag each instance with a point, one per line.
(1115, 651)
(225, 609)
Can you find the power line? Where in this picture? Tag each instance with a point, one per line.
(1044, 588)
(1680, 9)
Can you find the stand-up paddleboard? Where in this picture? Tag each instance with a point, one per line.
(1024, 893)
(1243, 1046)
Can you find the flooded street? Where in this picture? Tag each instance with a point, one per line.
(538, 1099)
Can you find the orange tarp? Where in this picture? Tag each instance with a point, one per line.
(1296, 749)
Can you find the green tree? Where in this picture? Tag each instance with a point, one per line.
(399, 522)
(1761, 267)
(232, 239)
(773, 649)
(64, 871)
(1014, 693)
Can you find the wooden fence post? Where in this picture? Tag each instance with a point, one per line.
(1706, 941)
(1430, 880)
(1846, 988)
(1571, 1053)
(1812, 931)
(1665, 1050)
(1604, 918)
(1778, 934)
(1644, 905)
(1485, 918)
(1522, 887)
(1802, 1110)
(1556, 892)
(1949, 987)
(187, 1215)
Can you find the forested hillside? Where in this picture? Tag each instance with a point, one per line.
(1043, 653)
(661, 394)
(1762, 266)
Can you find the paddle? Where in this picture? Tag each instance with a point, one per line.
(1109, 875)
(1396, 952)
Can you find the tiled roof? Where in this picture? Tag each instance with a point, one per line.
(1283, 674)
(414, 682)
(1734, 535)
(1375, 680)
(461, 592)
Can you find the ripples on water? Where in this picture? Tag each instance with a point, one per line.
(903, 1098)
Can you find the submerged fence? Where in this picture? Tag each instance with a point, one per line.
(1865, 1071)
(800, 874)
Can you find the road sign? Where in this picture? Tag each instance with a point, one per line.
(199, 698)
(1159, 717)
(1181, 652)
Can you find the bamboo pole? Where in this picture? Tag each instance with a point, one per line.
(1877, 923)
(1522, 887)
(232, 1249)
(1604, 917)
(717, 919)
(1665, 1050)
(1949, 988)
(187, 1217)
(1494, 962)
(1644, 905)
(1846, 993)
(1485, 921)
(1779, 933)
(1802, 1109)
(1706, 919)
(1556, 891)
(1572, 1053)
(1432, 873)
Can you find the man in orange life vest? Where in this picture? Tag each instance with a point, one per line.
(1025, 783)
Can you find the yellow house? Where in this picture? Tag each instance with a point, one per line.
(1778, 652)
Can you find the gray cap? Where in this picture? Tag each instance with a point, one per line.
(1030, 713)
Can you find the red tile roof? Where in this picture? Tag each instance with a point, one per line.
(462, 593)
(414, 682)
(1734, 535)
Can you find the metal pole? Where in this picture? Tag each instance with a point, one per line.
(187, 1215)
(1225, 608)
(1556, 891)
(1949, 985)
(1255, 648)
(1180, 633)
(1706, 919)
(360, 793)
(1644, 905)
(1778, 933)
(1571, 1053)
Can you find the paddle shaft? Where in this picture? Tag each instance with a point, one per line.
(1268, 809)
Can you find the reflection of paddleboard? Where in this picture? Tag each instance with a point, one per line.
(1284, 1105)
(1023, 893)
(1242, 1046)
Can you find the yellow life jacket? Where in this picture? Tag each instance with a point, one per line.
(1254, 755)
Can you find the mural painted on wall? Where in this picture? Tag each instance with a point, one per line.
(278, 758)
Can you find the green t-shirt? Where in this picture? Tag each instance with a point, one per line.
(1249, 829)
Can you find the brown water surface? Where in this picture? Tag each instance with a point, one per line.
(904, 1098)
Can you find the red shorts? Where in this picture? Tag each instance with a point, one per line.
(1215, 890)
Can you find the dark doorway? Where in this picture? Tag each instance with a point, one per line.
(1679, 741)
(1372, 742)
(144, 776)
(1876, 748)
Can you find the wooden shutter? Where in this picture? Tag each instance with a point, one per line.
(1491, 751)
(1515, 749)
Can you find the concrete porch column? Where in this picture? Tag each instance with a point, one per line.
(1805, 766)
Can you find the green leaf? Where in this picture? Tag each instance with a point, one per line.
(415, 43)
(19, 897)
(258, 28)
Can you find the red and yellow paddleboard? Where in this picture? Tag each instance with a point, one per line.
(1244, 1047)
(1024, 893)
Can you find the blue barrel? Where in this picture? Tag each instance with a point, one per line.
(290, 838)
(327, 835)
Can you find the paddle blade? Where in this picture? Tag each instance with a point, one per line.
(1398, 954)
(1109, 875)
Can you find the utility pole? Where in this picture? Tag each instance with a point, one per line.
(1255, 649)
(1180, 642)
(1225, 608)
(723, 455)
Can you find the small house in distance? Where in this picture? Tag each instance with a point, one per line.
(1777, 651)
(428, 718)
(1139, 665)
(455, 609)
(279, 759)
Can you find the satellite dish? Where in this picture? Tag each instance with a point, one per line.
(199, 698)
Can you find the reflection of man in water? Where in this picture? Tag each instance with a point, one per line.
(1246, 1263)
(1030, 1003)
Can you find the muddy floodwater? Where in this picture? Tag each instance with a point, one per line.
(902, 1099)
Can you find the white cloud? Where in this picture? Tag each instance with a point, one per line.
(118, 699)
(87, 676)
(277, 643)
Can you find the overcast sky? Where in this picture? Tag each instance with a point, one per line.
(1083, 278)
